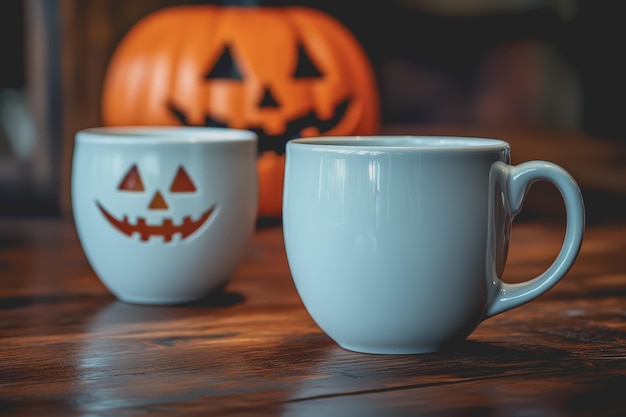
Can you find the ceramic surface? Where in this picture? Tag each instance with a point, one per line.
(164, 214)
(396, 244)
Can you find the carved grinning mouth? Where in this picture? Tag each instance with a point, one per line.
(167, 228)
(293, 128)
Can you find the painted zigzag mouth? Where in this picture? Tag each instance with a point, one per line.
(167, 228)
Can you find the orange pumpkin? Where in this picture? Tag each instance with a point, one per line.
(280, 72)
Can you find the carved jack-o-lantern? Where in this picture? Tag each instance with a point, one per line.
(280, 72)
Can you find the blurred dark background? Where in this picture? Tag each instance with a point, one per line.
(546, 75)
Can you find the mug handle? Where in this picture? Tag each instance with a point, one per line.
(512, 182)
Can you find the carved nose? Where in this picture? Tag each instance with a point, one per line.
(158, 202)
(268, 99)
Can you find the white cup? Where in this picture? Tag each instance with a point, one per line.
(398, 244)
(164, 214)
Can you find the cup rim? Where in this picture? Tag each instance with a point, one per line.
(402, 142)
(163, 134)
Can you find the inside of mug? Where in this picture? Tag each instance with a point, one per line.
(403, 141)
(165, 134)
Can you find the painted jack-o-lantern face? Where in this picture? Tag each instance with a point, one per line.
(133, 183)
(280, 72)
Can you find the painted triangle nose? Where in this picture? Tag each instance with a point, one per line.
(158, 202)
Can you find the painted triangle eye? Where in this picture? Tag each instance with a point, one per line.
(182, 183)
(131, 181)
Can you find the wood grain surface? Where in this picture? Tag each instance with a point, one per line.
(68, 347)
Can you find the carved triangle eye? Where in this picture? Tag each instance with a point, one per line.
(182, 183)
(131, 181)
(225, 67)
(305, 67)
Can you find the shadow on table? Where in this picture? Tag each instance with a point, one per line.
(220, 298)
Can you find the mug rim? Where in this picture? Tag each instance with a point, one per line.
(403, 142)
(163, 134)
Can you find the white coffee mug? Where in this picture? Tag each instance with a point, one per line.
(164, 214)
(397, 244)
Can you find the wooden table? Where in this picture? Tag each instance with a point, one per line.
(67, 347)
